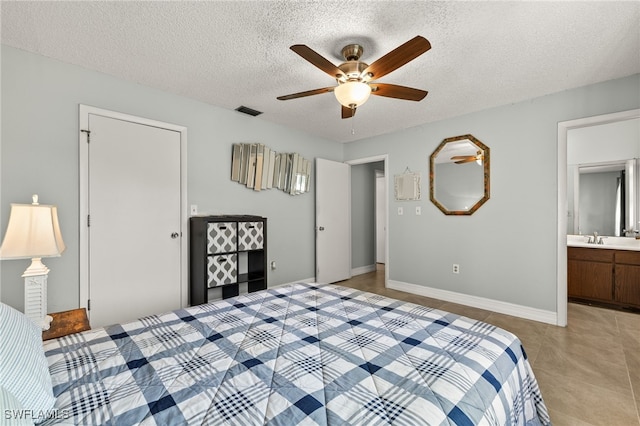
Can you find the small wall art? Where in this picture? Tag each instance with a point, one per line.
(407, 186)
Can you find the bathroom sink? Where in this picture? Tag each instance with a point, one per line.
(622, 243)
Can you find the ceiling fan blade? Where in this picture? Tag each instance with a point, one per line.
(306, 93)
(397, 58)
(348, 112)
(398, 92)
(318, 60)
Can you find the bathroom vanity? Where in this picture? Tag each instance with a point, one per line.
(606, 274)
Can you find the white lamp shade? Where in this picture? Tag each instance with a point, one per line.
(352, 93)
(33, 231)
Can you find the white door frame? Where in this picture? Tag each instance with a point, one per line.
(381, 213)
(374, 159)
(563, 129)
(84, 112)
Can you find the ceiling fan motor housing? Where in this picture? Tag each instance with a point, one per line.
(352, 70)
(352, 52)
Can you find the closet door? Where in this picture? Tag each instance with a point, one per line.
(134, 233)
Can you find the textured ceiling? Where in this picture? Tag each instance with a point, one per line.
(232, 53)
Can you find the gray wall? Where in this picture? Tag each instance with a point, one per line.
(40, 100)
(363, 213)
(507, 249)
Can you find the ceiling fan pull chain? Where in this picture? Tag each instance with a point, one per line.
(353, 117)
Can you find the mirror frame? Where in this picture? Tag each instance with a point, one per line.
(432, 177)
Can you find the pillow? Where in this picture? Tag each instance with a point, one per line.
(24, 371)
(12, 413)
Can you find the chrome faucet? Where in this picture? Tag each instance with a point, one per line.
(595, 239)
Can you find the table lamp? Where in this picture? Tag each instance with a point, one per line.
(33, 232)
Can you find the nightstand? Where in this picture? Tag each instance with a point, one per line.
(67, 322)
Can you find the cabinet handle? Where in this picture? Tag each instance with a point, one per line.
(223, 227)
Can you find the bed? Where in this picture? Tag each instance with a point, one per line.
(302, 354)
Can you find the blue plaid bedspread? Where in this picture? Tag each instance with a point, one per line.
(301, 354)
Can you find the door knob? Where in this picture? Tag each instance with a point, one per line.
(321, 228)
(175, 235)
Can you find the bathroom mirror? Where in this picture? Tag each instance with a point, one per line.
(459, 175)
(603, 179)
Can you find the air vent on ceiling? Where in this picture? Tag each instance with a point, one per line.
(247, 110)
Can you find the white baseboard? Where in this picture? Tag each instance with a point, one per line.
(507, 308)
(363, 270)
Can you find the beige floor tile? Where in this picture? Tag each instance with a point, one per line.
(633, 363)
(630, 338)
(530, 333)
(607, 346)
(591, 327)
(467, 311)
(558, 418)
(627, 320)
(589, 366)
(578, 311)
(569, 398)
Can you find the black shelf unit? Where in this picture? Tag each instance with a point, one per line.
(226, 251)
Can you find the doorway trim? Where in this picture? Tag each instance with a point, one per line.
(563, 129)
(374, 159)
(83, 150)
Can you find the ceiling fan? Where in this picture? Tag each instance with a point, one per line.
(461, 159)
(356, 79)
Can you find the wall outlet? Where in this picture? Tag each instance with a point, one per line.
(456, 268)
(194, 209)
(400, 211)
(273, 265)
(418, 210)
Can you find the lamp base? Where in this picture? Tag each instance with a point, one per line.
(36, 268)
(35, 293)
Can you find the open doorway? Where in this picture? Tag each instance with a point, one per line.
(369, 208)
(564, 201)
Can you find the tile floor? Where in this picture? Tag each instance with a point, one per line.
(589, 372)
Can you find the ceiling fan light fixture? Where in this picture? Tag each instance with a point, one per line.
(352, 94)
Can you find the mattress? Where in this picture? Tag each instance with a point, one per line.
(302, 354)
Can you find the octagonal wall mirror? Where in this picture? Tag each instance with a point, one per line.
(459, 175)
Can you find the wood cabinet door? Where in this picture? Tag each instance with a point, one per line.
(592, 280)
(628, 284)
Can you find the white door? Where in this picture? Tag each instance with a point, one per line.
(333, 221)
(381, 215)
(134, 231)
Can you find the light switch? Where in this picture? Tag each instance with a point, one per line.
(418, 211)
(400, 211)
